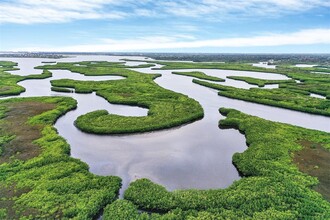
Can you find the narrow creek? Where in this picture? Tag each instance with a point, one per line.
(197, 155)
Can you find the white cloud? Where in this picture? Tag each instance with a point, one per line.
(303, 37)
(145, 12)
(56, 11)
(220, 9)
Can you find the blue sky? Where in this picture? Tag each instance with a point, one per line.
(217, 26)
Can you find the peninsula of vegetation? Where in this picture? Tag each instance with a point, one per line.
(272, 186)
(166, 108)
(8, 82)
(38, 178)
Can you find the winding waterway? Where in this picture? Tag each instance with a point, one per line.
(197, 155)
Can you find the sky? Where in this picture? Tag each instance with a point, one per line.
(205, 26)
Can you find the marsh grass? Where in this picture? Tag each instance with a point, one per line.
(8, 82)
(200, 75)
(61, 89)
(167, 109)
(259, 82)
(272, 187)
(39, 180)
(295, 99)
(290, 95)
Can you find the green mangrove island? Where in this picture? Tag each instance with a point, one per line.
(166, 108)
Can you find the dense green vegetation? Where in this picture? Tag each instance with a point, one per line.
(39, 180)
(215, 65)
(281, 69)
(200, 75)
(259, 82)
(48, 184)
(8, 82)
(317, 87)
(172, 65)
(147, 65)
(291, 94)
(8, 65)
(60, 89)
(45, 74)
(166, 108)
(272, 186)
(122, 209)
(306, 75)
(285, 98)
(310, 81)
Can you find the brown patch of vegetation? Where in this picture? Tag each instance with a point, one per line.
(315, 161)
(15, 123)
(8, 193)
(126, 95)
(5, 88)
(21, 147)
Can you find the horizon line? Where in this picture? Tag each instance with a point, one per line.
(160, 52)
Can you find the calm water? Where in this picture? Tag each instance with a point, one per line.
(223, 74)
(206, 97)
(304, 65)
(197, 155)
(317, 96)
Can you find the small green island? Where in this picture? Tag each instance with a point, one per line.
(200, 75)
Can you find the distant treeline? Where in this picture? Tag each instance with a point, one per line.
(320, 59)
